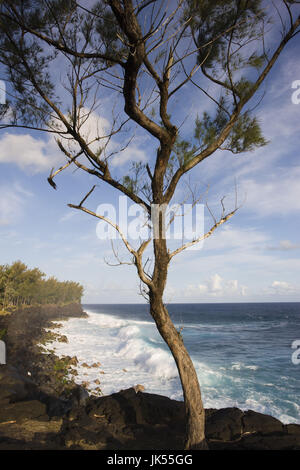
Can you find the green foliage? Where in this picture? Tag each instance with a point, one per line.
(246, 135)
(256, 61)
(207, 129)
(211, 19)
(22, 286)
(228, 34)
(29, 61)
(242, 87)
(227, 37)
(135, 181)
(2, 334)
(183, 151)
(61, 370)
(129, 183)
(107, 28)
(19, 74)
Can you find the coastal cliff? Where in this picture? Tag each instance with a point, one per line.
(41, 409)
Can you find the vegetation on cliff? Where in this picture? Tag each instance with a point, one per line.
(20, 286)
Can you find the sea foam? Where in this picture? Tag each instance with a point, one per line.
(131, 351)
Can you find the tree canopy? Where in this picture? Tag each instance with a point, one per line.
(20, 286)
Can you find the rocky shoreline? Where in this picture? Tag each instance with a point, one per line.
(41, 408)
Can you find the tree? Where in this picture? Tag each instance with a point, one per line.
(146, 52)
(22, 286)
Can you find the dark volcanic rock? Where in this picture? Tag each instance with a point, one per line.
(127, 420)
(79, 396)
(258, 422)
(22, 411)
(129, 407)
(224, 424)
(233, 429)
(14, 387)
(293, 429)
(279, 441)
(24, 330)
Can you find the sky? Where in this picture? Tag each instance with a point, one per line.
(254, 257)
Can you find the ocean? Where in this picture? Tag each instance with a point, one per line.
(242, 353)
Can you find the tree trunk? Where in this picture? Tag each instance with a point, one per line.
(194, 411)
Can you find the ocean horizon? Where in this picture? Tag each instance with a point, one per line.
(242, 352)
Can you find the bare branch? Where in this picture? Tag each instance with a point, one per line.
(120, 262)
(136, 254)
(87, 195)
(203, 237)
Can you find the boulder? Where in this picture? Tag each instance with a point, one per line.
(79, 396)
(277, 441)
(260, 423)
(14, 386)
(224, 424)
(128, 407)
(293, 429)
(31, 434)
(22, 411)
(62, 338)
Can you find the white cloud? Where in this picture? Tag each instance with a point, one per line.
(283, 125)
(277, 194)
(288, 71)
(40, 155)
(280, 285)
(67, 216)
(29, 153)
(283, 288)
(236, 238)
(216, 286)
(93, 126)
(285, 245)
(131, 153)
(12, 201)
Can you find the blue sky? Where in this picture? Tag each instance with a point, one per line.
(254, 257)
